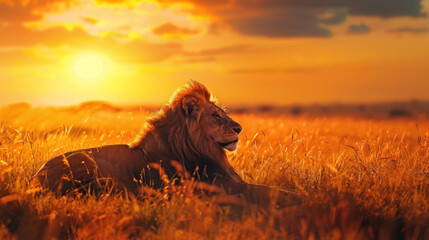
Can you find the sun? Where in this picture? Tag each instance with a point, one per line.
(89, 66)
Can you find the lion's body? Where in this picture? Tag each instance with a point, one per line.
(120, 163)
(188, 136)
(128, 167)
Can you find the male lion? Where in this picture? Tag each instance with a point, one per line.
(190, 131)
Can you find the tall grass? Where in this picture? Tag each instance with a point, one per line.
(357, 179)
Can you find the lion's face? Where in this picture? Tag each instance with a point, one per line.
(209, 127)
(219, 126)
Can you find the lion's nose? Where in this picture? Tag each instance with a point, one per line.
(237, 129)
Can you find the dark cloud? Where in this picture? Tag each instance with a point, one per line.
(411, 30)
(283, 23)
(358, 29)
(332, 17)
(309, 18)
(299, 18)
(380, 8)
(170, 29)
(386, 8)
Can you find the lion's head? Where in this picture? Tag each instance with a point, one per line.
(208, 125)
(219, 126)
(193, 130)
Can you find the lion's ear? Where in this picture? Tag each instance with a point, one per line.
(190, 106)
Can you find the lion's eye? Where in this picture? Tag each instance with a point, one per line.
(217, 116)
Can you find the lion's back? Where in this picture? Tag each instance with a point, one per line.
(70, 170)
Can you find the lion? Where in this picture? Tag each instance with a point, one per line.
(191, 131)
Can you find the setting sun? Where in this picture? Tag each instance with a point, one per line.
(89, 66)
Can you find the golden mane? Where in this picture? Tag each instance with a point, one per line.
(183, 139)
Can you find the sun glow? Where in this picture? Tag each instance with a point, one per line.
(89, 66)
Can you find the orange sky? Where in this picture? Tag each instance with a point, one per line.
(246, 51)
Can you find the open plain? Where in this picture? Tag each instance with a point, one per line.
(356, 178)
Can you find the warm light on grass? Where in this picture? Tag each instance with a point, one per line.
(357, 178)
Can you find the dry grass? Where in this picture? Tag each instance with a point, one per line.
(357, 178)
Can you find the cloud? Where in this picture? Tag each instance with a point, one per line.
(332, 17)
(217, 51)
(170, 30)
(385, 8)
(10, 13)
(411, 30)
(358, 29)
(28, 11)
(380, 8)
(90, 20)
(78, 39)
(283, 23)
(299, 18)
(279, 18)
(200, 3)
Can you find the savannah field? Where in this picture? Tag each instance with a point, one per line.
(356, 178)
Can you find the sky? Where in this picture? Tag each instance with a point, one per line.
(63, 52)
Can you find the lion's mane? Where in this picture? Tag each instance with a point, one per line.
(180, 139)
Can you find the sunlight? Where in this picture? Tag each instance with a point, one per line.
(89, 66)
